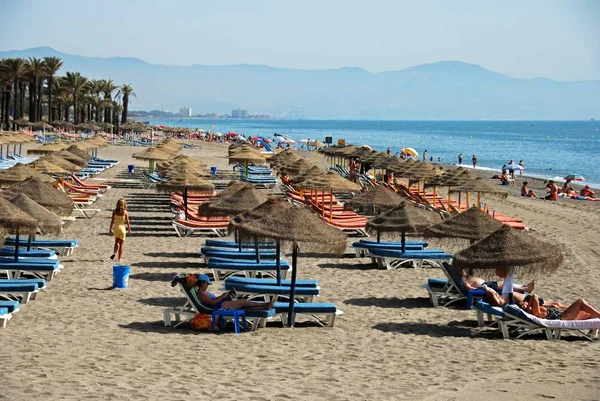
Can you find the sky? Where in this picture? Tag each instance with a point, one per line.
(524, 39)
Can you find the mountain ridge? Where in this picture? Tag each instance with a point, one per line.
(448, 89)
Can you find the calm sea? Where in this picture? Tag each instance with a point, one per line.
(549, 149)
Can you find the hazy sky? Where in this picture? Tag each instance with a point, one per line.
(555, 39)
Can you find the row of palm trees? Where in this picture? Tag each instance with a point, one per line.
(32, 87)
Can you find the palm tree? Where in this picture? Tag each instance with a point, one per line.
(35, 71)
(75, 84)
(53, 64)
(4, 88)
(108, 87)
(126, 91)
(13, 71)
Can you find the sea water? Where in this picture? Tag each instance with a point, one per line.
(549, 149)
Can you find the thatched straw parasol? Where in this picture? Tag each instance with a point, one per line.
(47, 167)
(329, 181)
(184, 182)
(46, 148)
(47, 222)
(41, 125)
(79, 152)
(15, 221)
(89, 126)
(295, 167)
(2, 236)
(405, 219)
(246, 154)
(60, 162)
(480, 185)
(152, 155)
(245, 198)
(471, 225)
(20, 172)
(70, 157)
(62, 123)
(519, 251)
(22, 122)
(44, 194)
(276, 219)
(314, 171)
(374, 198)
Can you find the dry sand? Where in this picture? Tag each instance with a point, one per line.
(81, 339)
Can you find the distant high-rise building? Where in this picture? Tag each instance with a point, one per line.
(185, 112)
(239, 113)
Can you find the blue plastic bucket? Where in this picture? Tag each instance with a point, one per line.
(121, 276)
(131, 167)
(213, 170)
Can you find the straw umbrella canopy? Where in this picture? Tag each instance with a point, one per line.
(516, 250)
(279, 220)
(246, 154)
(471, 225)
(44, 194)
(62, 123)
(15, 221)
(2, 235)
(246, 198)
(47, 167)
(284, 155)
(374, 198)
(361, 152)
(42, 125)
(71, 157)
(46, 148)
(346, 151)
(284, 161)
(20, 172)
(22, 123)
(77, 151)
(480, 185)
(329, 181)
(60, 162)
(404, 218)
(88, 126)
(184, 182)
(152, 155)
(314, 171)
(47, 221)
(294, 168)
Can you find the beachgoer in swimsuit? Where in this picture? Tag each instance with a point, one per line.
(531, 194)
(565, 186)
(511, 168)
(552, 191)
(225, 301)
(425, 155)
(122, 226)
(474, 161)
(578, 310)
(389, 151)
(460, 159)
(522, 165)
(524, 189)
(587, 192)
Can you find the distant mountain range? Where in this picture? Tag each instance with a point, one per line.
(446, 90)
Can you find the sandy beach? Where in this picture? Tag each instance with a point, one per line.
(81, 339)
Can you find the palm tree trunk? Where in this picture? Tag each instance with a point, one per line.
(31, 102)
(40, 89)
(1, 106)
(67, 107)
(125, 104)
(22, 99)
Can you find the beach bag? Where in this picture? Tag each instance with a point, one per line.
(203, 322)
(191, 281)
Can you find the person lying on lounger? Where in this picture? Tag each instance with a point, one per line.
(578, 310)
(225, 301)
(494, 298)
(472, 283)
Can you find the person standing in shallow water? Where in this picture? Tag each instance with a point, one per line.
(425, 155)
(122, 227)
(474, 160)
(460, 159)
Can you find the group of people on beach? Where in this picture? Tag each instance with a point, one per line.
(554, 192)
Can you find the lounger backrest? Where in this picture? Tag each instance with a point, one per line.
(449, 270)
(192, 295)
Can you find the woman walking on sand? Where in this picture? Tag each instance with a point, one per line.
(122, 227)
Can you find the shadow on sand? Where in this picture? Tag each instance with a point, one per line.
(393, 302)
(183, 266)
(167, 302)
(187, 255)
(345, 266)
(162, 277)
(463, 329)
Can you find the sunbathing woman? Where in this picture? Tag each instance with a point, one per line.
(122, 227)
(579, 310)
(224, 300)
(473, 283)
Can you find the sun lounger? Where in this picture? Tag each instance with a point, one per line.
(305, 294)
(193, 306)
(42, 268)
(392, 259)
(362, 248)
(183, 228)
(321, 312)
(10, 305)
(62, 247)
(23, 290)
(223, 268)
(33, 253)
(209, 253)
(526, 323)
(358, 227)
(484, 309)
(4, 317)
(266, 281)
(220, 243)
(446, 292)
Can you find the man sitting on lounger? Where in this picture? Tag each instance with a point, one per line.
(225, 301)
(472, 283)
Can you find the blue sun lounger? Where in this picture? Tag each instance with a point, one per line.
(305, 294)
(23, 290)
(42, 268)
(63, 247)
(374, 241)
(484, 309)
(267, 281)
(392, 259)
(10, 305)
(33, 253)
(446, 292)
(193, 306)
(362, 248)
(4, 317)
(210, 253)
(221, 243)
(323, 313)
(224, 267)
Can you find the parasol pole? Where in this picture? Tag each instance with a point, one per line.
(378, 236)
(323, 203)
(17, 247)
(185, 202)
(256, 250)
(278, 260)
(478, 199)
(29, 242)
(403, 241)
(291, 319)
(467, 199)
(434, 196)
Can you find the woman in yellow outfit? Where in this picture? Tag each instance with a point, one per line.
(120, 222)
